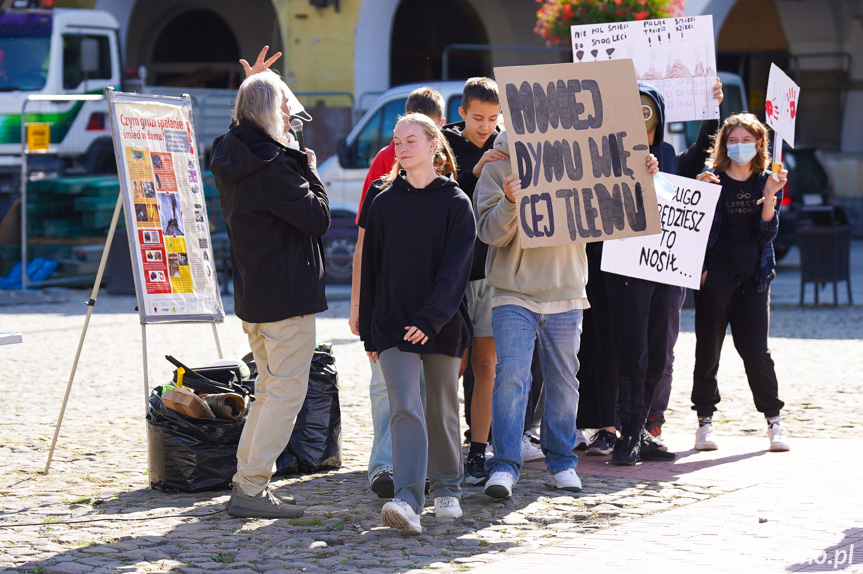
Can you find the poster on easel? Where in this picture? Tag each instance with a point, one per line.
(677, 56)
(166, 215)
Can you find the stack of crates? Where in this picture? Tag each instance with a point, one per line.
(71, 206)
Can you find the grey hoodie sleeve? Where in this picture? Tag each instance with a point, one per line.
(496, 216)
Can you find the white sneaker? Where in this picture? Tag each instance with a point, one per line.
(398, 514)
(778, 438)
(567, 480)
(530, 451)
(704, 438)
(499, 485)
(447, 507)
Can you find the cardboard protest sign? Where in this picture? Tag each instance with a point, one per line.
(675, 55)
(676, 256)
(781, 104)
(578, 143)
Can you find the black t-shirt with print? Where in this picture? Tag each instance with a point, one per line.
(737, 249)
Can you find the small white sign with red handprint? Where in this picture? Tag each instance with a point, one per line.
(781, 105)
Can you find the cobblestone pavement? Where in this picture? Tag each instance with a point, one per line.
(94, 512)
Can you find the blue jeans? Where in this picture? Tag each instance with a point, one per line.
(516, 332)
(381, 456)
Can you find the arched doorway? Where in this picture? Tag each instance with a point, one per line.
(421, 31)
(196, 48)
(196, 43)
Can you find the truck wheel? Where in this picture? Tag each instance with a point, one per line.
(339, 256)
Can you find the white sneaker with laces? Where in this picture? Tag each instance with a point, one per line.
(447, 507)
(778, 438)
(529, 451)
(398, 514)
(704, 439)
(567, 480)
(499, 485)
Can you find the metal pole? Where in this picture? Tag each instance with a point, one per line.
(90, 305)
(216, 336)
(146, 376)
(23, 208)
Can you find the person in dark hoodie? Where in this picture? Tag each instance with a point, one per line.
(276, 211)
(417, 254)
(642, 311)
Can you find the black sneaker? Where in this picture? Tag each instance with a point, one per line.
(382, 484)
(475, 473)
(652, 449)
(602, 443)
(626, 450)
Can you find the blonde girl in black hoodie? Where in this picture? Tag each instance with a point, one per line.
(413, 314)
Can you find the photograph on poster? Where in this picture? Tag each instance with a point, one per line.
(154, 255)
(171, 216)
(183, 258)
(199, 217)
(141, 212)
(157, 276)
(173, 265)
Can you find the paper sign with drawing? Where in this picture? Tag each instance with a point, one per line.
(578, 144)
(675, 256)
(675, 55)
(781, 104)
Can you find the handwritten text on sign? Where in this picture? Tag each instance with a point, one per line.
(578, 143)
(676, 255)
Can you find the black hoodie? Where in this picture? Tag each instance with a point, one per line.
(467, 155)
(690, 162)
(416, 262)
(276, 210)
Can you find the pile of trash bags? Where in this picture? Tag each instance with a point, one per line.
(191, 454)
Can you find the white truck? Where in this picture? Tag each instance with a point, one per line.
(55, 51)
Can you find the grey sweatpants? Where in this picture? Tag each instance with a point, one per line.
(424, 443)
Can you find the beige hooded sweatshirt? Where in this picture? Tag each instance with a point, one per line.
(542, 279)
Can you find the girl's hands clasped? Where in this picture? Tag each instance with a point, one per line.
(415, 336)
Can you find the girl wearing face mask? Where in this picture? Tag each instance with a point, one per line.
(738, 268)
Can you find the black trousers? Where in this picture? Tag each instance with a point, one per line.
(639, 318)
(726, 298)
(597, 355)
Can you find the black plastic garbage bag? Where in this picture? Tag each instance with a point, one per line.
(192, 455)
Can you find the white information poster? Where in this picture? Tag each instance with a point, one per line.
(675, 55)
(676, 256)
(780, 107)
(166, 215)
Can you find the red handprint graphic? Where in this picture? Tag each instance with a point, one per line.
(772, 109)
(792, 102)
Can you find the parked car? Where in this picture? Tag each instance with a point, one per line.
(808, 189)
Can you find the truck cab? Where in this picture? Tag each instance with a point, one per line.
(47, 51)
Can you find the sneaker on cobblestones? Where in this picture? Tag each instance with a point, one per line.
(398, 514)
(447, 507)
(283, 497)
(778, 438)
(475, 473)
(382, 484)
(265, 505)
(626, 450)
(654, 427)
(652, 449)
(530, 451)
(580, 441)
(602, 443)
(704, 438)
(499, 485)
(567, 480)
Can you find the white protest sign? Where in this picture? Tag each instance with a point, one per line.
(676, 256)
(675, 55)
(780, 107)
(577, 141)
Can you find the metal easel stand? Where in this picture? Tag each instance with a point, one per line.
(91, 303)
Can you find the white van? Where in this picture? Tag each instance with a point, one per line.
(343, 175)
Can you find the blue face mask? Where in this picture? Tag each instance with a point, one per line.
(741, 153)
